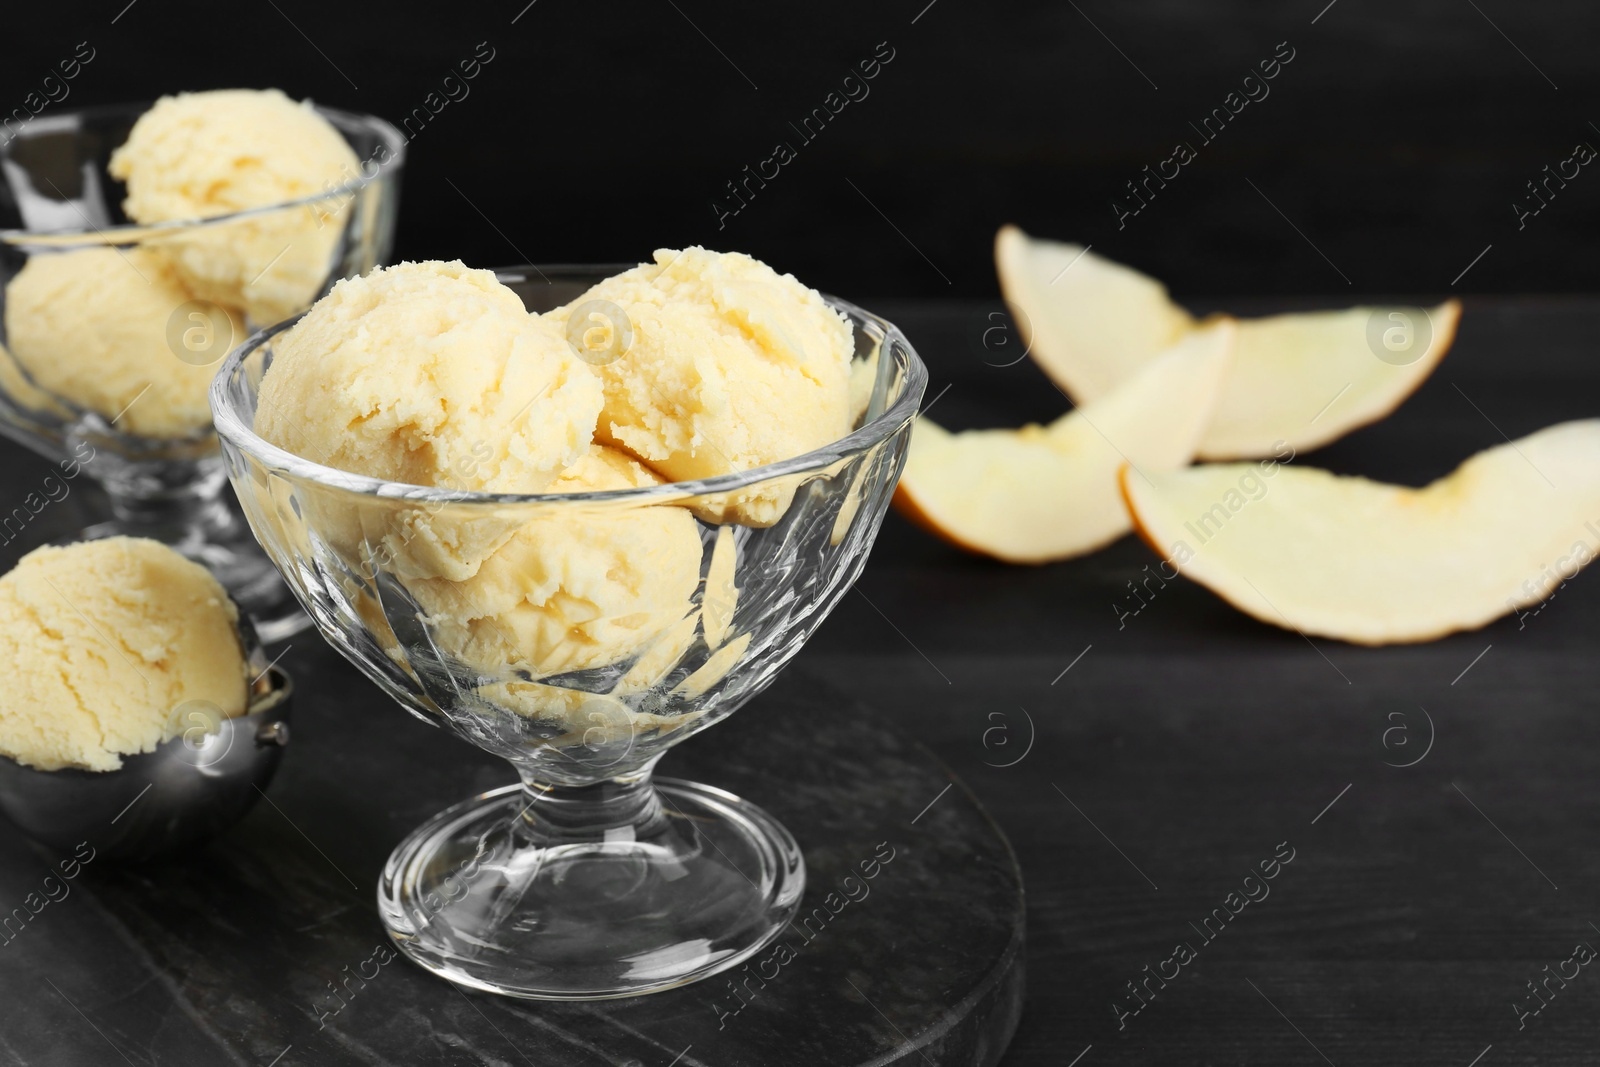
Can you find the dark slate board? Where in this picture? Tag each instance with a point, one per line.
(236, 952)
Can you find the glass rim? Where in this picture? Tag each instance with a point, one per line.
(231, 428)
(129, 233)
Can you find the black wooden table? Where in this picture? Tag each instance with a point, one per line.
(1144, 767)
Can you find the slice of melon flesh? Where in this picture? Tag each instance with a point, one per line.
(1089, 322)
(1377, 564)
(1045, 493)
(1308, 379)
(1300, 380)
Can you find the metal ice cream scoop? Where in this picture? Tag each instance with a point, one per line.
(189, 789)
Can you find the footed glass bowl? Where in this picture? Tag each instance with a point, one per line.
(595, 631)
(109, 331)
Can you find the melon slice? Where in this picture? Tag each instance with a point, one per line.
(1088, 322)
(1377, 564)
(1300, 380)
(1044, 493)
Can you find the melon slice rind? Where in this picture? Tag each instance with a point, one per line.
(1372, 563)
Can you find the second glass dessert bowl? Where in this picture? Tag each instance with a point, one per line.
(590, 878)
(99, 299)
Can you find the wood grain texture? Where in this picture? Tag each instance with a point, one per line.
(1195, 739)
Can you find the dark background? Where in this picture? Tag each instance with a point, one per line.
(1396, 140)
(1194, 738)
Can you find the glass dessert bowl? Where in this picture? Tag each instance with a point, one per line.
(590, 878)
(92, 304)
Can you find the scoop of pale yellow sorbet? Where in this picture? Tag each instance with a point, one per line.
(431, 374)
(201, 155)
(104, 642)
(428, 374)
(577, 587)
(97, 327)
(731, 366)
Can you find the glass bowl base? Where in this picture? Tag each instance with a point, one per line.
(480, 895)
